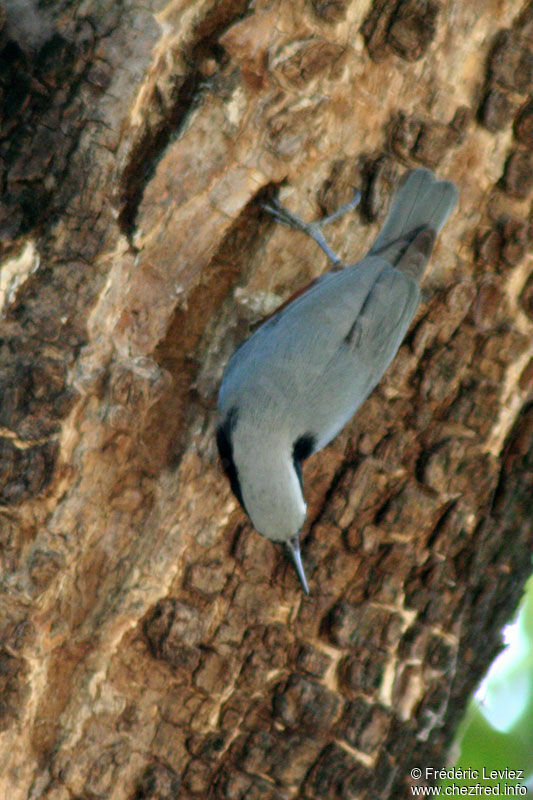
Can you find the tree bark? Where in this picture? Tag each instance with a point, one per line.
(152, 645)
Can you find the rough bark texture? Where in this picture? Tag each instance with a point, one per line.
(152, 645)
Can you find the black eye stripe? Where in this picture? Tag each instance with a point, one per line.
(303, 446)
(301, 449)
(225, 451)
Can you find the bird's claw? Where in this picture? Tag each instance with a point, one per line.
(312, 229)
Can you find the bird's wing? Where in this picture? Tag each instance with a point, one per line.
(364, 349)
(383, 319)
(300, 338)
(322, 355)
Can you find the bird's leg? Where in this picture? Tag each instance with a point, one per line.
(312, 229)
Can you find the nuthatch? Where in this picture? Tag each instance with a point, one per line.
(290, 388)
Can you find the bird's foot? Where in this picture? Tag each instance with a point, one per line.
(312, 229)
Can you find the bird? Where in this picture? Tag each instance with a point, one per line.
(289, 388)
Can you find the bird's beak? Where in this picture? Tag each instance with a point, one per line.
(293, 546)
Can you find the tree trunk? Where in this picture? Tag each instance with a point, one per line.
(152, 645)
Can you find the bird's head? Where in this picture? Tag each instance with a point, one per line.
(266, 480)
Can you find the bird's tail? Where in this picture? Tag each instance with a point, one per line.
(417, 214)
